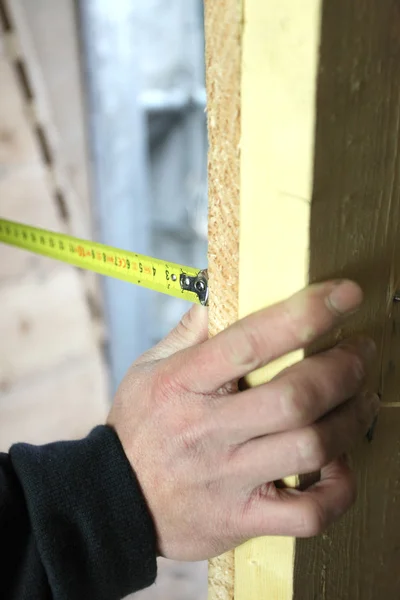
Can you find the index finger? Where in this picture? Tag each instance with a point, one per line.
(264, 336)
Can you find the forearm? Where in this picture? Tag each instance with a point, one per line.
(75, 520)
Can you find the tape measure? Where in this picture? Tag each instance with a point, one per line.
(169, 278)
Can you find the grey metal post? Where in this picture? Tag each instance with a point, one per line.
(119, 165)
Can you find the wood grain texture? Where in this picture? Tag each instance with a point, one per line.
(65, 402)
(355, 233)
(53, 104)
(24, 193)
(58, 81)
(53, 381)
(223, 20)
(56, 102)
(279, 71)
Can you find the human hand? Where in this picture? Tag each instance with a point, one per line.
(207, 459)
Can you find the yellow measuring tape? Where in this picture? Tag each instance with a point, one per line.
(169, 278)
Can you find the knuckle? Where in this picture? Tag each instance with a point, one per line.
(166, 385)
(311, 449)
(355, 365)
(312, 520)
(246, 350)
(296, 401)
(197, 432)
(185, 325)
(189, 437)
(302, 318)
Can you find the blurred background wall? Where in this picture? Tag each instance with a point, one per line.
(103, 135)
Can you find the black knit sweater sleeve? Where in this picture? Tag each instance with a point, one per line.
(73, 522)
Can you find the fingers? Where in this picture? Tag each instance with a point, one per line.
(267, 335)
(309, 449)
(303, 514)
(300, 395)
(191, 330)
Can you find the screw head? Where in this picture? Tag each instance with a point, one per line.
(200, 286)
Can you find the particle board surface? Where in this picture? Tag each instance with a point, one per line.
(223, 71)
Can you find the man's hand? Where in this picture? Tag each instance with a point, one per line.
(207, 459)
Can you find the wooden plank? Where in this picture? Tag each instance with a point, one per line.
(50, 87)
(52, 377)
(64, 403)
(17, 144)
(45, 321)
(223, 66)
(54, 97)
(52, 25)
(355, 232)
(319, 198)
(24, 193)
(280, 48)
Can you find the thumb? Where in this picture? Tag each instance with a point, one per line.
(191, 330)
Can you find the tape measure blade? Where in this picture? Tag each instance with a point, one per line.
(139, 269)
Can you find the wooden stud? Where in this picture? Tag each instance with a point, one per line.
(317, 107)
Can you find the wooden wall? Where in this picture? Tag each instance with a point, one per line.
(53, 380)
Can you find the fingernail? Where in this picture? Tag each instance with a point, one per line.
(346, 297)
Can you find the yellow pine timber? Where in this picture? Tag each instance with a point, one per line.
(279, 67)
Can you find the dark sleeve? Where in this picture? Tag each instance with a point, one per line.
(73, 522)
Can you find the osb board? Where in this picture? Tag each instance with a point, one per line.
(279, 70)
(223, 68)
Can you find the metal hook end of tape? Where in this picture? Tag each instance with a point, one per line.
(198, 285)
